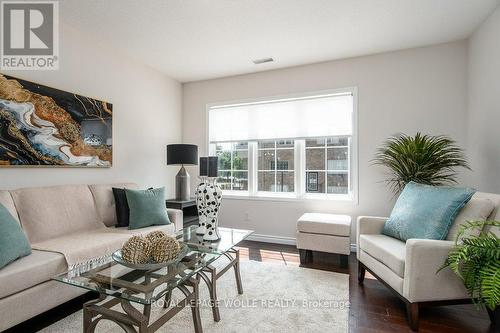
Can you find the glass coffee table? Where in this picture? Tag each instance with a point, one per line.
(118, 284)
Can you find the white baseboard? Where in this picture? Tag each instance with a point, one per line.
(280, 240)
(272, 239)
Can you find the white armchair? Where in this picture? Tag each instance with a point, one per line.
(410, 269)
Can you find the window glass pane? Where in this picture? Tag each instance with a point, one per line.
(266, 159)
(266, 144)
(315, 159)
(224, 180)
(223, 146)
(284, 144)
(315, 142)
(240, 145)
(266, 181)
(337, 159)
(240, 181)
(338, 141)
(285, 159)
(285, 181)
(315, 182)
(224, 160)
(240, 160)
(338, 183)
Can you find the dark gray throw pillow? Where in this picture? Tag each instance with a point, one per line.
(122, 209)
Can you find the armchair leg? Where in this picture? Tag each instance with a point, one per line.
(361, 273)
(305, 256)
(412, 313)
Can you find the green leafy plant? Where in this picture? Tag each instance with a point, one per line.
(476, 260)
(421, 158)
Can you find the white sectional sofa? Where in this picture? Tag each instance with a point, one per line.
(59, 214)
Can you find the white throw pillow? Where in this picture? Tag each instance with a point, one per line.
(475, 210)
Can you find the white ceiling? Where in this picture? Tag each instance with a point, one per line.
(192, 40)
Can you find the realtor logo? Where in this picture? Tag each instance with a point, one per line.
(30, 35)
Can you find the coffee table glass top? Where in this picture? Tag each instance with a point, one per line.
(229, 238)
(145, 287)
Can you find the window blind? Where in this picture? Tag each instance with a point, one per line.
(306, 117)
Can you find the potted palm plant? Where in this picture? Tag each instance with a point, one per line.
(424, 159)
(476, 260)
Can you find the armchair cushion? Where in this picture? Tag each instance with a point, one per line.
(426, 212)
(389, 251)
(475, 210)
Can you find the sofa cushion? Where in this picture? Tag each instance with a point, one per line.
(389, 251)
(7, 202)
(169, 229)
(13, 241)
(105, 201)
(328, 224)
(49, 212)
(26, 272)
(495, 214)
(475, 210)
(425, 211)
(147, 208)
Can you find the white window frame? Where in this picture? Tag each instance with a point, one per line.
(299, 157)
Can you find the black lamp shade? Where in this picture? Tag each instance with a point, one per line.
(204, 166)
(182, 154)
(213, 166)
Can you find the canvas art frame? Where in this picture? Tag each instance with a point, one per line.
(42, 126)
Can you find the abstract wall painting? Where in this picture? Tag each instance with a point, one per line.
(46, 127)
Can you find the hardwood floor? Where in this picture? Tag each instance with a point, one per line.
(373, 307)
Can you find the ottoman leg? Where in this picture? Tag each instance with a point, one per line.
(305, 256)
(344, 259)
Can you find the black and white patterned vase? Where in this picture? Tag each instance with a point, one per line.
(200, 205)
(211, 197)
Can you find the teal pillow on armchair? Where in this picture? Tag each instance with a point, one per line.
(147, 208)
(425, 211)
(13, 241)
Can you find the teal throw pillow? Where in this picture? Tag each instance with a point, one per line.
(13, 241)
(425, 211)
(147, 208)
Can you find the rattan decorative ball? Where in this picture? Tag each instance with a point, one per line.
(137, 250)
(155, 236)
(165, 249)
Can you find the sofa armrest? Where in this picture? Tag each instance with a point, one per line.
(176, 216)
(368, 225)
(422, 282)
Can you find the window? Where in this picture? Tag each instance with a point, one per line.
(233, 165)
(327, 165)
(295, 146)
(275, 161)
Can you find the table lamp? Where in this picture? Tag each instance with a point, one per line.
(182, 154)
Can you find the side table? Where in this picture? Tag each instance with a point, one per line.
(189, 210)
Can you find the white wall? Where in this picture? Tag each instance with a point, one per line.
(146, 114)
(420, 89)
(484, 105)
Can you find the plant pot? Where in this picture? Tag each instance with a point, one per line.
(495, 317)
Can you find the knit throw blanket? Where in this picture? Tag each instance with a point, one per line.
(86, 249)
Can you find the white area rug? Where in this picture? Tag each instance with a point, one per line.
(276, 298)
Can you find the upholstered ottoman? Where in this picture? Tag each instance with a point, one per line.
(326, 233)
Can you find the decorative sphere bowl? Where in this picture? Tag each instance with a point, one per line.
(117, 256)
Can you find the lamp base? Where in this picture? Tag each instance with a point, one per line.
(182, 181)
